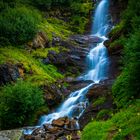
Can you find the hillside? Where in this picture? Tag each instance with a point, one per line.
(44, 50)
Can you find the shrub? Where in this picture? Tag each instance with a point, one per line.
(18, 103)
(127, 85)
(18, 25)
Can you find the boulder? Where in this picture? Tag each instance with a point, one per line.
(60, 122)
(100, 89)
(9, 72)
(53, 94)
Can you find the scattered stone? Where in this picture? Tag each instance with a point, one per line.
(58, 129)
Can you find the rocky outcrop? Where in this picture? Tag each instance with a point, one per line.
(9, 72)
(40, 41)
(54, 94)
(72, 56)
(59, 129)
(98, 91)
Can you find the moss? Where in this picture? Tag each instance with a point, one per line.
(36, 70)
(117, 29)
(122, 125)
(43, 52)
(55, 27)
(103, 113)
(99, 101)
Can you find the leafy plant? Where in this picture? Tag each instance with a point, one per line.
(18, 103)
(19, 25)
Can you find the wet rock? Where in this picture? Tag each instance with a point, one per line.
(60, 122)
(58, 59)
(97, 91)
(58, 129)
(52, 95)
(8, 73)
(86, 39)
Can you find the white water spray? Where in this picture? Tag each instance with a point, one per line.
(76, 103)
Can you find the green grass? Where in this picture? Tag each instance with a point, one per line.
(55, 27)
(99, 101)
(40, 73)
(43, 52)
(123, 124)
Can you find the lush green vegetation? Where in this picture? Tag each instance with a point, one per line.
(126, 87)
(20, 21)
(18, 103)
(36, 71)
(18, 25)
(124, 124)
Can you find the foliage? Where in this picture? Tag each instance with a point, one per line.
(78, 24)
(55, 28)
(103, 113)
(99, 101)
(40, 73)
(127, 85)
(18, 102)
(118, 29)
(124, 124)
(19, 25)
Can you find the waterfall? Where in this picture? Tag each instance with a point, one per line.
(98, 58)
(100, 23)
(77, 102)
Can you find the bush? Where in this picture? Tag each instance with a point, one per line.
(18, 103)
(18, 25)
(127, 85)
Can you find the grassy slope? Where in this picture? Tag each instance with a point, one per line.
(124, 124)
(40, 72)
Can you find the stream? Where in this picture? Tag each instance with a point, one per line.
(98, 61)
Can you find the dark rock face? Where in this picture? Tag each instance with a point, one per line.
(72, 59)
(96, 92)
(8, 73)
(59, 129)
(67, 61)
(116, 8)
(54, 94)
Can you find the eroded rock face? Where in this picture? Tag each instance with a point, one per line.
(8, 73)
(59, 129)
(98, 91)
(54, 94)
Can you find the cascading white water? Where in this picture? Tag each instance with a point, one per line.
(98, 57)
(76, 103)
(100, 23)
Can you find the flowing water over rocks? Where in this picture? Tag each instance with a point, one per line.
(64, 120)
